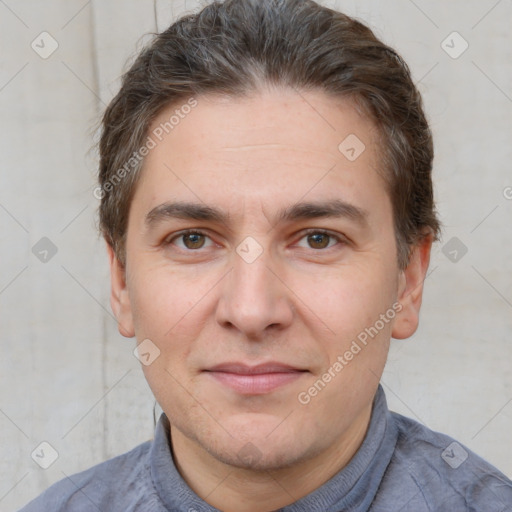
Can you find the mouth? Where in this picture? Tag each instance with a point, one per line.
(254, 380)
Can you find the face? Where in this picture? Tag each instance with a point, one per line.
(261, 264)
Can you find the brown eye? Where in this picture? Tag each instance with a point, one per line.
(190, 240)
(193, 240)
(318, 240)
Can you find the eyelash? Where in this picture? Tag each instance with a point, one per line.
(310, 231)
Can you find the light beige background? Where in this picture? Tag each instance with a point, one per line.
(67, 376)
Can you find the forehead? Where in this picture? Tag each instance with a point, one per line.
(270, 119)
(276, 146)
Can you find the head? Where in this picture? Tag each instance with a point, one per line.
(266, 198)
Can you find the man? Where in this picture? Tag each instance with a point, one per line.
(266, 198)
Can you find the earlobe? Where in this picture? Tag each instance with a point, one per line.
(119, 297)
(410, 289)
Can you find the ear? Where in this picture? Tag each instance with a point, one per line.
(410, 289)
(119, 297)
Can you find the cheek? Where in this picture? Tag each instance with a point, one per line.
(170, 309)
(163, 300)
(349, 299)
(351, 307)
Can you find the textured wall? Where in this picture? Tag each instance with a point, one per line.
(70, 380)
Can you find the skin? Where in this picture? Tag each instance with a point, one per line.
(301, 302)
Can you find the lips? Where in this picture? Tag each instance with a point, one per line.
(254, 380)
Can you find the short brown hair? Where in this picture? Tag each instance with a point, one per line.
(235, 46)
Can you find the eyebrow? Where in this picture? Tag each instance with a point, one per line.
(335, 208)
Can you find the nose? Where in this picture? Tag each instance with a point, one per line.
(254, 298)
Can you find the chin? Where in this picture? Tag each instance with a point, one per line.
(270, 457)
(261, 443)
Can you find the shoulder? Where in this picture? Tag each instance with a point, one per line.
(116, 484)
(443, 473)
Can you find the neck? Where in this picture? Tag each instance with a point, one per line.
(233, 489)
